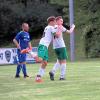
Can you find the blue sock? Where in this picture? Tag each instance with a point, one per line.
(24, 69)
(18, 70)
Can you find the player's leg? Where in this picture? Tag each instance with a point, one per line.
(23, 63)
(24, 70)
(43, 54)
(18, 69)
(54, 69)
(62, 60)
(57, 64)
(41, 71)
(63, 70)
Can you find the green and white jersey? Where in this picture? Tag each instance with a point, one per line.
(47, 36)
(59, 42)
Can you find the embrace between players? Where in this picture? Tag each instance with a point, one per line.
(53, 32)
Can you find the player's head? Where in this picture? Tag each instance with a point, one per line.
(25, 27)
(51, 20)
(59, 20)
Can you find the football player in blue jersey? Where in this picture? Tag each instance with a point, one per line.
(22, 41)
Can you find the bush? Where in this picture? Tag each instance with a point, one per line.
(13, 14)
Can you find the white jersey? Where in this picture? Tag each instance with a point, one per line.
(59, 42)
(47, 36)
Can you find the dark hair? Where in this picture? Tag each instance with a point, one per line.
(51, 18)
(58, 17)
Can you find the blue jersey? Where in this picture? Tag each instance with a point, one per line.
(23, 39)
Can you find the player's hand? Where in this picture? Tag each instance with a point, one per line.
(57, 35)
(73, 26)
(27, 50)
(19, 48)
(30, 48)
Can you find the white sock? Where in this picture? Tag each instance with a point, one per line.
(55, 67)
(63, 70)
(41, 71)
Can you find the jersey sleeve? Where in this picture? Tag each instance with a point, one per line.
(64, 29)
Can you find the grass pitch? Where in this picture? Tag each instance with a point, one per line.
(82, 83)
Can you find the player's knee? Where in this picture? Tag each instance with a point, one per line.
(62, 61)
(38, 59)
(44, 64)
(23, 63)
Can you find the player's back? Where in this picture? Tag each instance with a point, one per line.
(47, 35)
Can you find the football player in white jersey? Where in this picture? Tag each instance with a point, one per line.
(43, 46)
(60, 49)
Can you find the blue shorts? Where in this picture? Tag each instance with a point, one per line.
(21, 57)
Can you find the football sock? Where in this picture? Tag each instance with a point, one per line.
(56, 67)
(41, 71)
(63, 70)
(18, 70)
(24, 69)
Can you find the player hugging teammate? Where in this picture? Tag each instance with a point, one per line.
(52, 32)
(60, 49)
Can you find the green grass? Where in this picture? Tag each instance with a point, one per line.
(82, 83)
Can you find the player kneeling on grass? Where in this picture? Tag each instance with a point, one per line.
(43, 46)
(22, 41)
(60, 49)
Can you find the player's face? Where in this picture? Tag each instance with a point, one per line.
(60, 21)
(26, 27)
(54, 22)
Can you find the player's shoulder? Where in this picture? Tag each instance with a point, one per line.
(19, 33)
(48, 28)
(23, 32)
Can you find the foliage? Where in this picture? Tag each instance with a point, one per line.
(13, 13)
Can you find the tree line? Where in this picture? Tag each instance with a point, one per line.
(35, 12)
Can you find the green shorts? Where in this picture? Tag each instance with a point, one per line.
(43, 52)
(61, 53)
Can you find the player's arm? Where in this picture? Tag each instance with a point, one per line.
(16, 43)
(71, 29)
(30, 45)
(58, 31)
(56, 34)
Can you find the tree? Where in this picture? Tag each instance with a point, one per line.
(12, 16)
